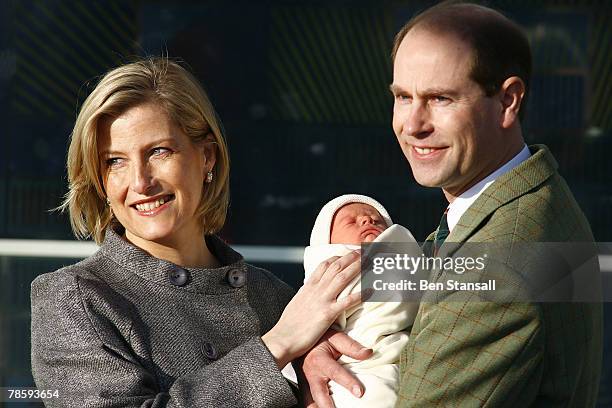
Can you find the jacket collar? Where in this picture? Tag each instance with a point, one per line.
(523, 178)
(137, 261)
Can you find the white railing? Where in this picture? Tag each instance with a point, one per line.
(40, 248)
(252, 253)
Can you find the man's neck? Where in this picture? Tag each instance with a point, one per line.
(451, 194)
(464, 201)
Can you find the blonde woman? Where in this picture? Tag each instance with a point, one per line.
(165, 314)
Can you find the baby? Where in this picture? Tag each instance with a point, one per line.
(341, 226)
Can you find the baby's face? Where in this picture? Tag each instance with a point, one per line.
(356, 223)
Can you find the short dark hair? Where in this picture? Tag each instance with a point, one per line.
(501, 49)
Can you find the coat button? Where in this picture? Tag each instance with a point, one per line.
(209, 351)
(236, 278)
(178, 276)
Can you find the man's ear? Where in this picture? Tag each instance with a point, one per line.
(511, 93)
(209, 150)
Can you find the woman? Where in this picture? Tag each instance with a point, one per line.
(165, 314)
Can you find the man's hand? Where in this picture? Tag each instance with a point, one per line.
(319, 366)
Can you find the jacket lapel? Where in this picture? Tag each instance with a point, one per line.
(517, 182)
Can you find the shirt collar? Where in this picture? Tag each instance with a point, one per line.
(465, 200)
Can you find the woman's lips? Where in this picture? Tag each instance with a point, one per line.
(152, 208)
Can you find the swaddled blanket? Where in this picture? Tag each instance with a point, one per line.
(378, 325)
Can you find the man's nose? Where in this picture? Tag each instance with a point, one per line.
(418, 122)
(142, 178)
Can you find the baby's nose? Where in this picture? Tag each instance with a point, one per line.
(366, 219)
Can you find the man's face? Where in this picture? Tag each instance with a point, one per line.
(448, 129)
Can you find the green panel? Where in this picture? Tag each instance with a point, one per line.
(62, 44)
(330, 64)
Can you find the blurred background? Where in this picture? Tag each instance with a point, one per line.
(302, 89)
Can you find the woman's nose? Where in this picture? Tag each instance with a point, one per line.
(142, 179)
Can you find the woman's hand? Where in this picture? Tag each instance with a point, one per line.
(313, 309)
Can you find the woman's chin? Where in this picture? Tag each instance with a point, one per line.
(150, 235)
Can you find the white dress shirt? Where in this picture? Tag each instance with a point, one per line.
(467, 198)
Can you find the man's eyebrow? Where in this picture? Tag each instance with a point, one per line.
(395, 89)
(438, 91)
(434, 91)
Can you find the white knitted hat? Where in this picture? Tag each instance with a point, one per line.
(322, 226)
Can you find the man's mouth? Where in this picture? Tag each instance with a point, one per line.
(153, 204)
(425, 151)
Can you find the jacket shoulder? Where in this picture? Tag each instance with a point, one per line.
(268, 296)
(269, 281)
(62, 280)
(550, 213)
(547, 213)
(74, 299)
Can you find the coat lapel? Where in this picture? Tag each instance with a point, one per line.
(517, 182)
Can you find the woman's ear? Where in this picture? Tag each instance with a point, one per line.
(209, 150)
(512, 93)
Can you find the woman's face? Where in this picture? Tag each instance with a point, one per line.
(153, 175)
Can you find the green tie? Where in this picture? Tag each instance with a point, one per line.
(442, 232)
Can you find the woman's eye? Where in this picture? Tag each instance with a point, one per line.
(113, 162)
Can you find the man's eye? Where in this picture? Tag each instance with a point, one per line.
(403, 98)
(159, 151)
(439, 99)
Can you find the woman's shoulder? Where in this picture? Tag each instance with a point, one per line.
(81, 281)
(79, 298)
(265, 285)
(267, 278)
(64, 279)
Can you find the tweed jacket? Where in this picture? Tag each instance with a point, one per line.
(469, 352)
(124, 329)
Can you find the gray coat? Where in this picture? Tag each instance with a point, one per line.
(124, 329)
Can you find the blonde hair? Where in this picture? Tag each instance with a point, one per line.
(173, 87)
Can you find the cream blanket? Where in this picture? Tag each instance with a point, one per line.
(381, 326)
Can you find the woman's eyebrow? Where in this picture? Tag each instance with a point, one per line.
(109, 152)
(144, 147)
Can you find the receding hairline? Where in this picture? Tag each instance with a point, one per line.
(433, 20)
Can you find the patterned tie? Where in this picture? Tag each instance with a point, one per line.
(442, 232)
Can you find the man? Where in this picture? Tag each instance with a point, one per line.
(460, 76)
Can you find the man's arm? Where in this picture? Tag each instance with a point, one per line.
(473, 353)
